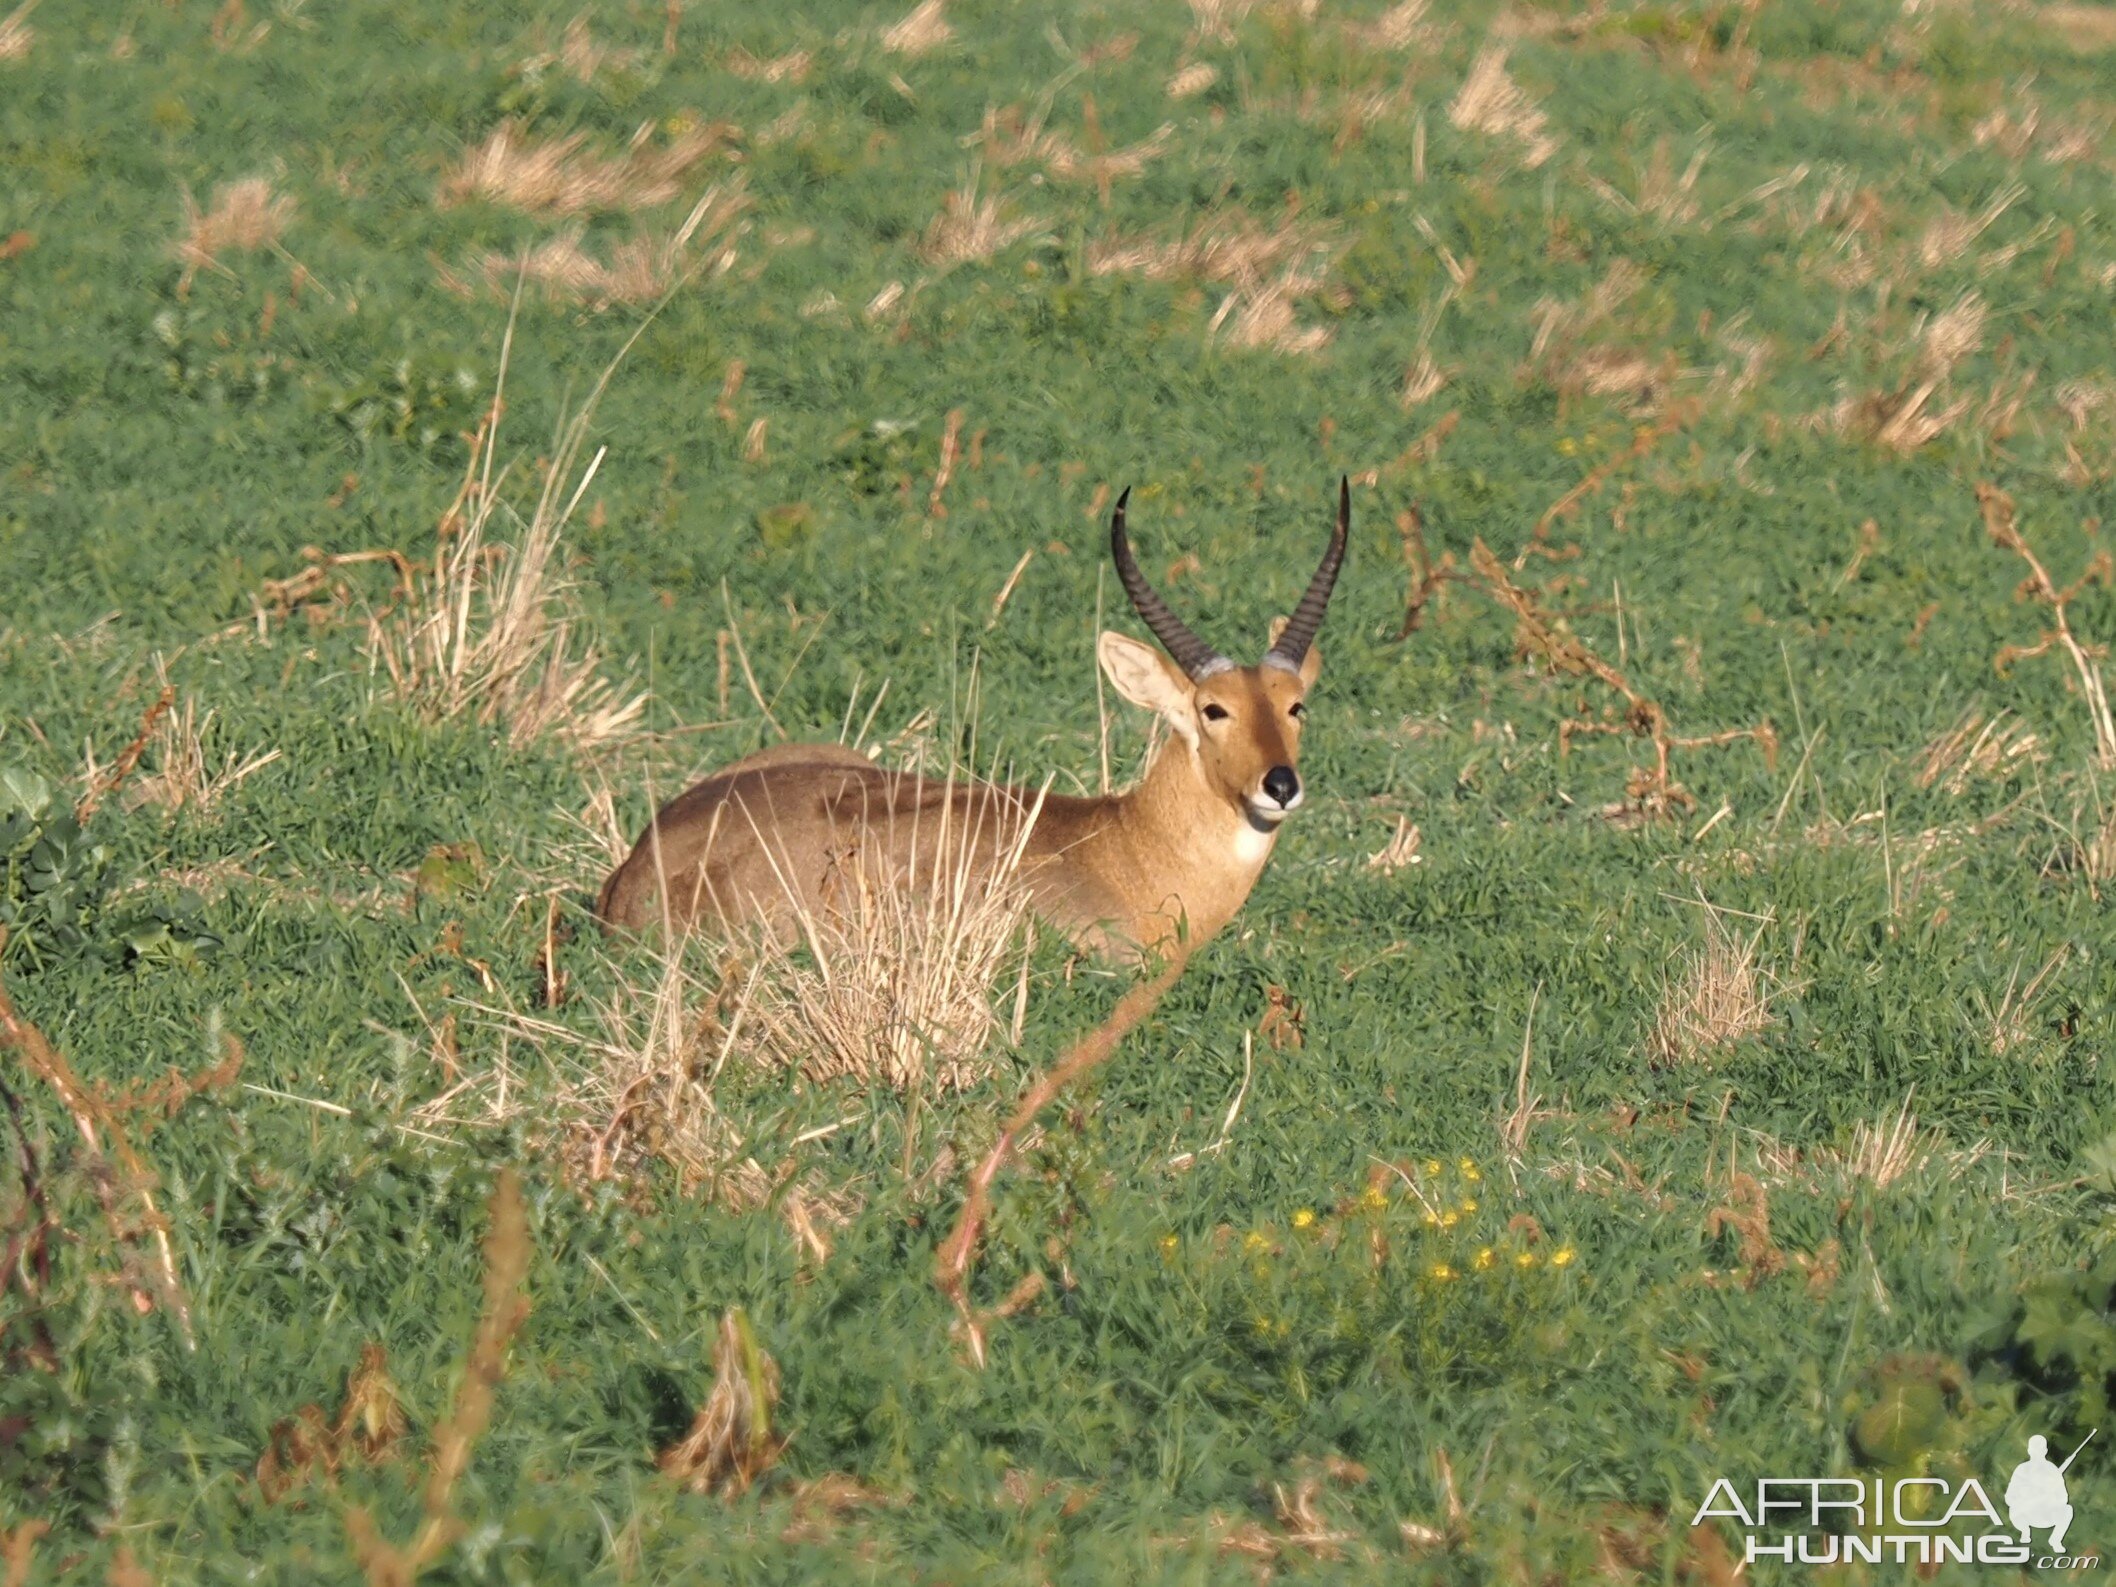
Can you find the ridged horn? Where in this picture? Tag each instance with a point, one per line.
(1196, 658)
(1301, 627)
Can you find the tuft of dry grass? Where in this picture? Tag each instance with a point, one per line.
(485, 631)
(894, 984)
(184, 775)
(1214, 21)
(1008, 138)
(639, 271)
(970, 228)
(731, 1443)
(1268, 268)
(1717, 996)
(2012, 1024)
(639, 1089)
(792, 67)
(1187, 82)
(1886, 1149)
(561, 176)
(1492, 103)
(16, 35)
(1949, 235)
(243, 217)
(921, 31)
(1398, 28)
(1399, 851)
(1977, 749)
(1906, 419)
(1569, 354)
(1661, 194)
(2089, 29)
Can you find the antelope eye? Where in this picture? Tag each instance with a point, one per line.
(1215, 713)
(1298, 710)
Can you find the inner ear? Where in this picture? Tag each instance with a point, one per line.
(1148, 679)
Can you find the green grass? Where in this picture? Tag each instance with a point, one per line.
(162, 454)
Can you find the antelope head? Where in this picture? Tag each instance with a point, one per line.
(1241, 724)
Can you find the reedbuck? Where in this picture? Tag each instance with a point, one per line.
(1167, 862)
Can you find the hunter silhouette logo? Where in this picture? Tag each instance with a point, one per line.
(2036, 1495)
(1905, 1520)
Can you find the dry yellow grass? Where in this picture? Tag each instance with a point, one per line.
(638, 271)
(2089, 29)
(922, 30)
(792, 67)
(243, 217)
(1398, 28)
(731, 1443)
(1214, 21)
(486, 632)
(1886, 1149)
(1908, 418)
(17, 37)
(1717, 996)
(895, 984)
(1008, 138)
(1979, 750)
(971, 228)
(1190, 81)
(1492, 103)
(2014, 1023)
(184, 776)
(562, 176)
(1268, 268)
(638, 1089)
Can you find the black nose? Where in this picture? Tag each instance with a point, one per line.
(1281, 784)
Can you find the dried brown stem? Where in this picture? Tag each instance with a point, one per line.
(952, 1263)
(1642, 442)
(99, 1116)
(105, 785)
(1653, 789)
(1426, 575)
(2038, 586)
(506, 1266)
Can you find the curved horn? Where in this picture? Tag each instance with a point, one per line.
(1300, 629)
(1192, 654)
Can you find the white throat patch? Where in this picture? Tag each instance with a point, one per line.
(1252, 846)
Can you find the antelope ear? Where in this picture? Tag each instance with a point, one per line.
(1147, 678)
(1310, 664)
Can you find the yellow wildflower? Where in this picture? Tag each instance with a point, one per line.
(1431, 1217)
(1432, 1168)
(1168, 1247)
(1484, 1260)
(1304, 1218)
(1441, 1271)
(1469, 1203)
(1567, 446)
(1469, 1170)
(1374, 1198)
(1562, 1256)
(1525, 1259)
(1253, 1241)
(1450, 1218)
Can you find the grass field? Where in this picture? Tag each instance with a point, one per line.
(1472, 1204)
